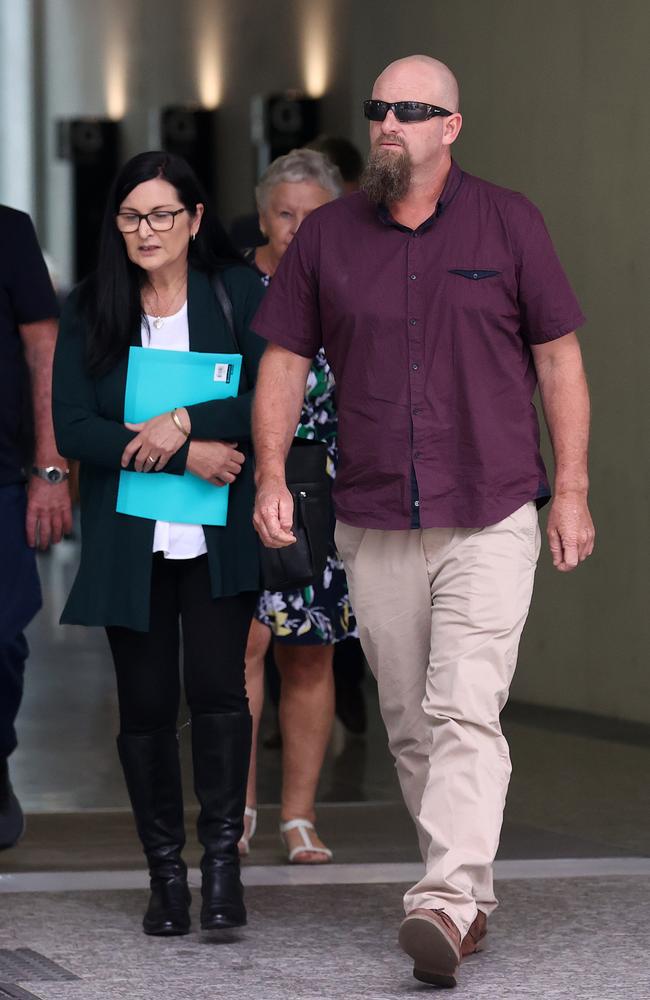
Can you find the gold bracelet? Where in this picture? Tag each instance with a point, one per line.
(177, 420)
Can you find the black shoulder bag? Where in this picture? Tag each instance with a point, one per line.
(301, 564)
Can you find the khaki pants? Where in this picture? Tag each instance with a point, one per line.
(440, 614)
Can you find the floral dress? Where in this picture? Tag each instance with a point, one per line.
(320, 614)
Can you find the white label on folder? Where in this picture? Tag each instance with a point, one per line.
(222, 372)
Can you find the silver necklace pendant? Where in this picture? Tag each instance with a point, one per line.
(158, 322)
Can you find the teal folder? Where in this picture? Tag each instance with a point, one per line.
(158, 381)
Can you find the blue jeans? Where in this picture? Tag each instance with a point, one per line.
(20, 599)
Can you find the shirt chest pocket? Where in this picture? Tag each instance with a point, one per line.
(486, 289)
(473, 275)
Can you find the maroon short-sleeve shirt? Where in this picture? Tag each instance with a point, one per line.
(428, 333)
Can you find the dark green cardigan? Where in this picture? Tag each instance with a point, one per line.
(114, 579)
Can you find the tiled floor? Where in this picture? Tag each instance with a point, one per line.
(579, 791)
(572, 939)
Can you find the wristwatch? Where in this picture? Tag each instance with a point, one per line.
(51, 473)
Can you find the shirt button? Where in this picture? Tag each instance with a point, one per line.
(412, 277)
(417, 412)
(416, 503)
(413, 322)
(415, 367)
(417, 454)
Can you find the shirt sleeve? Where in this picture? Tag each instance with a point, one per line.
(289, 315)
(548, 305)
(30, 289)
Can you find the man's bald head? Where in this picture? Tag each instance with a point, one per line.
(418, 78)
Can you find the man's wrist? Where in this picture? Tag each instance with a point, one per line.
(52, 474)
(571, 477)
(579, 492)
(270, 475)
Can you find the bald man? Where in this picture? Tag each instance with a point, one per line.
(441, 305)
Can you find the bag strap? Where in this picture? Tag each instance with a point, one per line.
(222, 297)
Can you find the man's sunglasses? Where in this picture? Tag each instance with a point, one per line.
(404, 111)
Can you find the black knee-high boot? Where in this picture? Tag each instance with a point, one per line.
(221, 746)
(153, 777)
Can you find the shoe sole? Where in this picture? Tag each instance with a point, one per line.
(222, 925)
(324, 860)
(167, 932)
(435, 960)
(222, 933)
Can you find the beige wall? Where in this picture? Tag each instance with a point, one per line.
(554, 101)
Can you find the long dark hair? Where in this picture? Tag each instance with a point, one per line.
(111, 296)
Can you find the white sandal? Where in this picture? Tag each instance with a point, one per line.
(244, 845)
(307, 846)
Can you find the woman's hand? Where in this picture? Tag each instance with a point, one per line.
(217, 461)
(158, 439)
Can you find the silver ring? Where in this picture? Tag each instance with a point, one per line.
(150, 459)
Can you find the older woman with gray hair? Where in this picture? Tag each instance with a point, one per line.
(303, 624)
(289, 189)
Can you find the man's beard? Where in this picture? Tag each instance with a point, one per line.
(387, 176)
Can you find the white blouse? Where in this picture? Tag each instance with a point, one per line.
(175, 541)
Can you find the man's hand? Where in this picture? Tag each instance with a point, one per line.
(273, 516)
(279, 394)
(570, 530)
(158, 439)
(49, 513)
(217, 462)
(565, 398)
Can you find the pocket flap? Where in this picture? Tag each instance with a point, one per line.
(474, 273)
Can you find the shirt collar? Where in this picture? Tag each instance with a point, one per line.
(453, 182)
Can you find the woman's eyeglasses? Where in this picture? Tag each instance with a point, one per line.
(160, 222)
(404, 111)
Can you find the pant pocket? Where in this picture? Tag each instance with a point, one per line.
(348, 539)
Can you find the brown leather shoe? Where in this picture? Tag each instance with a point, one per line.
(473, 940)
(432, 940)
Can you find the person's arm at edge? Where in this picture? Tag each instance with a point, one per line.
(279, 396)
(49, 510)
(565, 399)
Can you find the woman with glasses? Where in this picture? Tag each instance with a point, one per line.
(143, 579)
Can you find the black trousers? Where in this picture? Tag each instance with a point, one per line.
(214, 633)
(20, 599)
